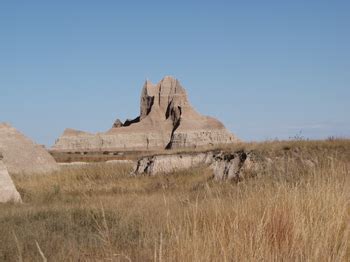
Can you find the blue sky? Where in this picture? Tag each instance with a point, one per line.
(267, 69)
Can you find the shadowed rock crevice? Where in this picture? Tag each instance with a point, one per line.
(228, 166)
(174, 113)
(130, 122)
(147, 100)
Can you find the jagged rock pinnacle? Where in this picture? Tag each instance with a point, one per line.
(167, 120)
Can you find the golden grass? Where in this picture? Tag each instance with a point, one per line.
(99, 213)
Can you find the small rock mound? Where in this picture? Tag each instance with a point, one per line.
(117, 123)
(21, 155)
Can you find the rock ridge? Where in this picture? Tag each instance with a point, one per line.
(224, 165)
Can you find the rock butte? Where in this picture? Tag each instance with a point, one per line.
(21, 155)
(166, 121)
(8, 191)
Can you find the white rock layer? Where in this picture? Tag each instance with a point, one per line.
(225, 166)
(166, 164)
(8, 191)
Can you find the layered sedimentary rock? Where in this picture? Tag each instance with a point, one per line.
(21, 155)
(224, 165)
(8, 191)
(166, 164)
(228, 166)
(166, 121)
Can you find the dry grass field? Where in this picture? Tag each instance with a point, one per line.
(290, 212)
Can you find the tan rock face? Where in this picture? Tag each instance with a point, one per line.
(167, 120)
(21, 155)
(8, 191)
(224, 165)
(167, 164)
(228, 166)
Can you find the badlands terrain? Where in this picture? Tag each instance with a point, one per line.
(172, 185)
(295, 209)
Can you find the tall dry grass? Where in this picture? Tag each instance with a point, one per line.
(291, 212)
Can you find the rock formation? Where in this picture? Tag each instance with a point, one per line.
(117, 124)
(228, 166)
(166, 121)
(224, 165)
(8, 191)
(21, 155)
(166, 164)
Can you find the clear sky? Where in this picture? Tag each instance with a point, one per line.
(267, 69)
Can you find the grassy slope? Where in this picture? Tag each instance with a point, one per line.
(98, 213)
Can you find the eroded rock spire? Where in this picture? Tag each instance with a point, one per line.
(167, 120)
